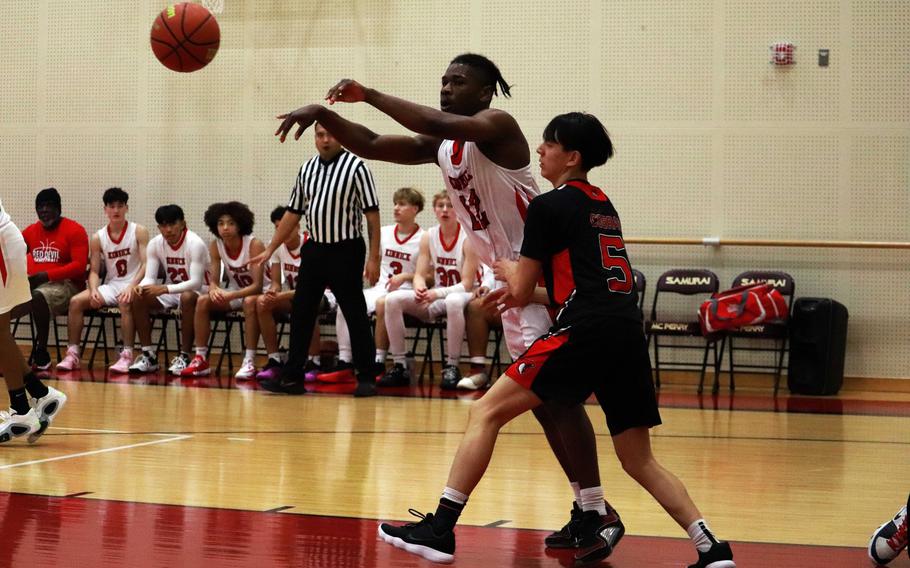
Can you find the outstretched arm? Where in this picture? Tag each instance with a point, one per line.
(359, 139)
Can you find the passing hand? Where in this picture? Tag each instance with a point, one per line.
(304, 117)
(346, 91)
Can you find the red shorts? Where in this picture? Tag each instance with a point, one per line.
(608, 359)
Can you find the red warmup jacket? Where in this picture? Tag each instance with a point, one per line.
(62, 252)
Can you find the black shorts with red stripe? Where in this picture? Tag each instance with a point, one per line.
(609, 359)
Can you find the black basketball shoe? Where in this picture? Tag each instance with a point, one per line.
(450, 377)
(597, 536)
(718, 556)
(397, 376)
(420, 539)
(288, 381)
(567, 536)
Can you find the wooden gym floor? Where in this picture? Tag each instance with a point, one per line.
(151, 471)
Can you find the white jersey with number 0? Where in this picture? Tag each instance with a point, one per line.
(490, 201)
(121, 256)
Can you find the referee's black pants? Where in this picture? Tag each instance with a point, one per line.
(339, 267)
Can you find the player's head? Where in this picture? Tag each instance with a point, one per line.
(171, 223)
(469, 85)
(407, 203)
(229, 220)
(326, 144)
(442, 208)
(573, 140)
(277, 214)
(115, 203)
(48, 207)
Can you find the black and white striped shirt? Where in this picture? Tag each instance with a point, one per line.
(332, 197)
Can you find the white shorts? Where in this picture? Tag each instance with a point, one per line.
(522, 326)
(14, 288)
(111, 290)
(172, 301)
(371, 295)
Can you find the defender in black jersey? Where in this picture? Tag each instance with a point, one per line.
(573, 238)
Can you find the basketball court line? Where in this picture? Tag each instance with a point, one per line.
(94, 452)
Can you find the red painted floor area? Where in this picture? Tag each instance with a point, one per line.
(83, 532)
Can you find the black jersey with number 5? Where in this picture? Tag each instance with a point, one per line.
(574, 231)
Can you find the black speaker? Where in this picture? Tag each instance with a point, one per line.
(818, 342)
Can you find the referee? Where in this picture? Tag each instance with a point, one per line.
(333, 191)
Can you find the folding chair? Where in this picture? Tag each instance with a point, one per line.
(685, 289)
(97, 321)
(430, 328)
(641, 284)
(774, 332)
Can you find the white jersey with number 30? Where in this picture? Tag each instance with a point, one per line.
(490, 201)
(447, 258)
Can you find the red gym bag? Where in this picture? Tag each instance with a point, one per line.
(744, 305)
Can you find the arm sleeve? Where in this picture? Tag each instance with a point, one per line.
(542, 238)
(296, 202)
(77, 240)
(152, 265)
(443, 292)
(363, 177)
(199, 261)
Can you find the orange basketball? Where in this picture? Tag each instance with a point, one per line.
(185, 37)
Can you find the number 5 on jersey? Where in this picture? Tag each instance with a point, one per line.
(613, 255)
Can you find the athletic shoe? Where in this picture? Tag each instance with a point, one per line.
(310, 371)
(247, 370)
(285, 383)
(40, 360)
(71, 361)
(365, 389)
(270, 372)
(397, 376)
(47, 408)
(451, 375)
(144, 364)
(342, 372)
(178, 364)
(567, 536)
(598, 535)
(123, 363)
(718, 556)
(420, 539)
(14, 425)
(890, 538)
(198, 367)
(476, 381)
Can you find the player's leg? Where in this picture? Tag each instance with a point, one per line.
(250, 338)
(202, 322)
(397, 304)
(477, 323)
(74, 324)
(142, 308)
(265, 310)
(890, 539)
(433, 538)
(455, 305)
(379, 333)
(188, 301)
(41, 317)
(127, 335)
(21, 419)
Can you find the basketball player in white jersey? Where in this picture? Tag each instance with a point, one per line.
(120, 247)
(25, 417)
(398, 247)
(183, 258)
(232, 249)
(485, 161)
(444, 253)
(276, 298)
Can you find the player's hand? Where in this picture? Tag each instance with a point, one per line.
(479, 292)
(127, 295)
(346, 91)
(269, 299)
(500, 300)
(95, 299)
(395, 282)
(304, 116)
(429, 297)
(420, 293)
(504, 269)
(153, 290)
(217, 295)
(371, 271)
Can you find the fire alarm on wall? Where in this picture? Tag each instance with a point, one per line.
(782, 53)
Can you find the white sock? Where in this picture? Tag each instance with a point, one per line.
(73, 348)
(202, 352)
(400, 359)
(576, 490)
(275, 356)
(592, 499)
(481, 360)
(701, 535)
(454, 496)
(150, 349)
(381, 354)
(316, 359)
(249, 354)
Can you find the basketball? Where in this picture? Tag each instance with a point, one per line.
(185, 37)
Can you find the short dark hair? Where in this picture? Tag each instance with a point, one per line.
(581, 132)
(489, 72)
(237, 211)
(410, 196)
(115, 195)
(168, 214)
(277, 213)
(48, 195)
